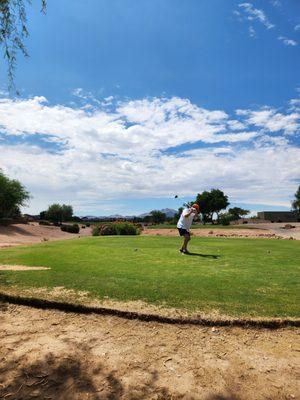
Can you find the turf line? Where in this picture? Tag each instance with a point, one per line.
(84, 309)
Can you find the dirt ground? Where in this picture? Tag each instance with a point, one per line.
(20, 268)
(214, 232)
(263, 230)
(64, 356)
(19, 234)
(277, 228)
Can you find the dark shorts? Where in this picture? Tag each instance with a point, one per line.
(183, 232)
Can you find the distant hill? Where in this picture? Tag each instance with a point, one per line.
(170, 212)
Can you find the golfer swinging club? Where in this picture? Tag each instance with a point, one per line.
(184, 225)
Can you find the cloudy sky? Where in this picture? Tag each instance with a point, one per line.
(126, 103)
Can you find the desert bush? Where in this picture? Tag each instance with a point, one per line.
(225, 221)
(108, 230)
(70, 228)
(44, 222)
(226, 218)
(83, 226)
(126, 228)
(6, 221)
(57, 223)
(87, 224)
(115, 228)
(96, 230)
(139, 226)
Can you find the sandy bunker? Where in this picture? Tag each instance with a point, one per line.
(20, 268)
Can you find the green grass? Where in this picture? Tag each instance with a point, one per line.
(253, 277)
(200, 226)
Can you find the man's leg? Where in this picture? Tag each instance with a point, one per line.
(187, 238)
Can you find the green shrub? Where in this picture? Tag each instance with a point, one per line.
(83, 226)
(87, 224)
(226, 218)
(115, 228)
(70, 228)
(96, 230)
(108, 230)
(57, 223)
(44, 222)
(225, 221)
(126, 228)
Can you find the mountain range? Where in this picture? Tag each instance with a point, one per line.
(170, 212)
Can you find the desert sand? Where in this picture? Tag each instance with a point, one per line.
(22, 234)
(64, 356)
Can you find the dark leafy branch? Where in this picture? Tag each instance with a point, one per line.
(13, 32)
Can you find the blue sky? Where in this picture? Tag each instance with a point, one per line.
(125, 103)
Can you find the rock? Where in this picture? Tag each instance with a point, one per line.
(288, 226)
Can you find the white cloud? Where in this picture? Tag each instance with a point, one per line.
(271, 120)
(276, 3)
(121, 153)
(256, 14)
(287, 42)
(295, 104)
(247, 12)
(235, 125)
(252, 32)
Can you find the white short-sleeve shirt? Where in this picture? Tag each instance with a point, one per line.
(185, 222)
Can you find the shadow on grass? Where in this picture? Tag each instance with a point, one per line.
(203, 255)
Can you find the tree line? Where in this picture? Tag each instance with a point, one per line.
(212, 204)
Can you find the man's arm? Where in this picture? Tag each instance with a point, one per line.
(191, 211)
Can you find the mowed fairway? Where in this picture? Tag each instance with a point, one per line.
(237, 277)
